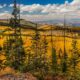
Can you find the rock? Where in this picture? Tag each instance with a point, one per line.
(25, 76)
(8, 77)
(29, 76)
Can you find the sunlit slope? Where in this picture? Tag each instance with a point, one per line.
(29, 32)
(58, 39)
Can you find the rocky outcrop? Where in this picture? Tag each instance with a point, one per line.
(26, 76)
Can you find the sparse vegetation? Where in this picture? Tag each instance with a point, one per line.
(44, 53)
(37, 61)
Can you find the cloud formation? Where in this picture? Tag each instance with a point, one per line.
(52, 11)
(2, 6)
(52, 8)
(37, 12)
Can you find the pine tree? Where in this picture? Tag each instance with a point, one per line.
(39, 51)
(74, 61)
(54, 54)
(60, 53)
(64, 63)
(54, 60)
(75, 54)
(13, 47)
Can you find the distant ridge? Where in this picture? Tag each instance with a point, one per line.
(41, 27)
(24, 23)
(56, 22)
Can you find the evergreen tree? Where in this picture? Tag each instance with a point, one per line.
(14, 53)
(54, 60)
(54, 54)
(64, 62)
(74, 61)
(60, 54)
(39, 51)
(75, 54)
(13, 47)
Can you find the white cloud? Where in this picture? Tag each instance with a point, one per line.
(2, 6)
(51, 8)
(39, 12)
(11, 5)
(54, 11)
(32, 8)
(75, 2)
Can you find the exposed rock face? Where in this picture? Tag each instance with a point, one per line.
(26, 76)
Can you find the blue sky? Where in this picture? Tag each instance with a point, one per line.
(43, 2)
(42, 10)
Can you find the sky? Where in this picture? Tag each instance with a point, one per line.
(28, 2)
(43, 10)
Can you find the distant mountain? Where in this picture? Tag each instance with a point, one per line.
(76, 24)
(23, 23)
(50, 22)
(60, 22)
(45, 25)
